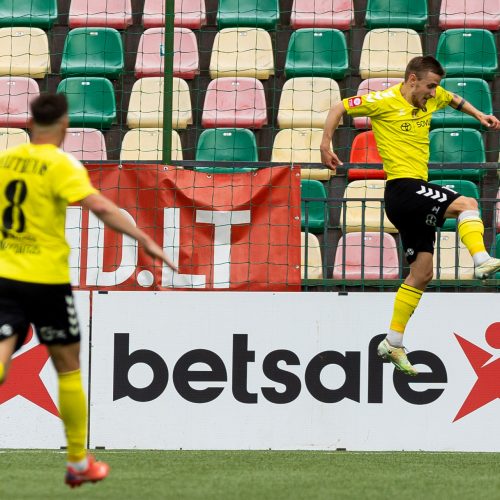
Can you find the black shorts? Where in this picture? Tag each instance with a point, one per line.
(50, 308)
(416, 208)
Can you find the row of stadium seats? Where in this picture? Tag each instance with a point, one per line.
(375, 255)
(254, 13)
(246, 52)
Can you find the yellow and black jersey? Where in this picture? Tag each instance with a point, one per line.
(37, 182)
(401, 130)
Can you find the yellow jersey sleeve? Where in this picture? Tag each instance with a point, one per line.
(364, 105)
(70, 180)
(443, 97)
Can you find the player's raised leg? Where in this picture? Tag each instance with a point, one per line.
(81, 467)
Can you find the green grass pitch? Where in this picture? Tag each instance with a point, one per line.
(273, 475)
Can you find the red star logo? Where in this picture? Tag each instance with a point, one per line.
(24, 379)
(487, 386)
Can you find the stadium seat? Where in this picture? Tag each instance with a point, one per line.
(311, 269)
(227, 144)
(365, 215)
(305, 102)
(317, 52)
(35, 13)
(448, 247)
(24, 52)
(85, 144)
(297, 146)
(483, 14)
(468, 52)
(473, 90)
(456, 145)
(465, 188)
(10, 137)
(248, 13)
(386, 52)
(390, 14)
(369, 255)
(188, 14)
(364, 149)
(497, 214)
(314, 214)
(495, 250)
(150, 54)
(16, 95)
(93, 52)
(100, 13)
(145, 109)
(372, 85)
(91, 101)
(146, 144)
(246, 52)
(337, 14)
(234, 102)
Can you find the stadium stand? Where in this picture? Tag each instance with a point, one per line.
(16, 94)
(314, 214)
(366, 255)
(34, 13)
(85, 144)
(248, 13)
(188, 14)
(337, 14)
(311, 263)
(100, 13)
(227, 144)
(456, 145)
(451, 258)
(386, 52)
(299, 145)
(364, 149)
(390, 14)
(483, 14)
(235, 102)
(145, 144)
(10, 137)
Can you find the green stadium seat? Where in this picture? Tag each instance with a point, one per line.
(495, 251)
(91, 101)
(227, 144)
(465, 188)
(317, 52)
(456, 145)
(248, 13)
(93, 52)
(33, 13)
(468, 52)
(314, 214)
(390, 14)
(473, 90)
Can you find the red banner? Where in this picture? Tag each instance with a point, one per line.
(225, 231)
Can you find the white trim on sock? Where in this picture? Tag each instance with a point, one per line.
(468, 214)
(80, 466)
(395, 338)
(480, 257)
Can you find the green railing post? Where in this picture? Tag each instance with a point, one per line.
(168, 48)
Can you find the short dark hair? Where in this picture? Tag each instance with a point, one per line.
(46, 109)
(423, 64)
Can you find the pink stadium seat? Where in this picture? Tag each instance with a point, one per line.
(96, 13)
(235, 102)
(364, 149)
(372, 85)
(363, 252)
(16, 94)
(85, 144)
(497, 213)
(483, 14)
(322, 14)
(188, 14)
(150, 54)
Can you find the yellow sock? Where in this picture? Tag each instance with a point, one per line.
(2, 372)
(471, 233)
(73, 409)
(407, 299)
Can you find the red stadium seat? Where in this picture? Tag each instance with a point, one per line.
(483, 14)
(364, 149)
(372, 85)
(235, 102)
(85, 144)
(150, 54)
(363, 252)
(337, 14)
(96, 13)
(16, 94)
(188, 14)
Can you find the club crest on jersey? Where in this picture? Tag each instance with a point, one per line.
(354, 101)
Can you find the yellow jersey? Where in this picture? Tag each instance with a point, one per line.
(401, 130)
(36, 184)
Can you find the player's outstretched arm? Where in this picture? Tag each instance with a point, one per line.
(488, 121)
(328, 157)
(110, 214)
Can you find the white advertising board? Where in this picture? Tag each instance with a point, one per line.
(29, 398)
(291, 371)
